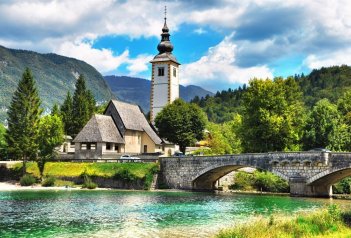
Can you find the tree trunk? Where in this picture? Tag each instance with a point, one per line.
(182, 148)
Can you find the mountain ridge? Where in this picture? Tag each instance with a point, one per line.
(54, 74)
(129, 89)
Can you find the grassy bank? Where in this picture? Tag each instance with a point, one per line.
(127, 172)
(329, 222)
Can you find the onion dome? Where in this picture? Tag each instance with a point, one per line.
(165, 46)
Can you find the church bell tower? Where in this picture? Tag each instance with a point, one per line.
(165, 75)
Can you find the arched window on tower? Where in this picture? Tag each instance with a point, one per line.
(174, 72)
(161, 71)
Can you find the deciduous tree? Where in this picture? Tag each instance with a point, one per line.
(181, 123)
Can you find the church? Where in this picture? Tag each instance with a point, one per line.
(124, 129)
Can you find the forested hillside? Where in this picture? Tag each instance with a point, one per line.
(54, 76)
(330, 83)
(137, 90)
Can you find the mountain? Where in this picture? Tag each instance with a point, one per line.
(326, 82)
(55, 75)
(137, 90)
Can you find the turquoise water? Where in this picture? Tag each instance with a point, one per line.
(132, 213)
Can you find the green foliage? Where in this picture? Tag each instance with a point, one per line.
(106, 170)
(48, 182)
(327, 82)
(23, 120)
(259, 181)
(55, 111)
(126, 175)
(343, 186)
(223, 105)
(243, 181)
(225, 138)
(67, 114)
(55, 76)
(272, 116)
(321, 126)
(83, 106)
(3, 144)
(28, 180)
(88, 183)
(181, 123)
(324, 223)
(31, 168)
(51, 135)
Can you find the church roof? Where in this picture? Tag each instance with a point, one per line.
(100, 128)
(133, 119)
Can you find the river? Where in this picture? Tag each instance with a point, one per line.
(111, 213)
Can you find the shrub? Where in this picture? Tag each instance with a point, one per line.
(88, 183)
(48, 182)
(125, 174)
(28, 180)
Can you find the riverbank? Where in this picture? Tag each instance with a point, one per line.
(328, 222)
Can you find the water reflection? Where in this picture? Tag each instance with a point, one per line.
(133, 214)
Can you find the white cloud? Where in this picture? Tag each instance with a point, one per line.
(139, 64)
(332, 59)
(219, 65)
(103, 59)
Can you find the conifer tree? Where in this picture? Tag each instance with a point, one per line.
(23, 120)
(83, 105)
(55, 110)
(67, 114)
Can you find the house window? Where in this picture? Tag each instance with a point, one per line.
(145, 148)
(72, 145)
(161, 71)
(93, 146)
(83, 146)
(108, 146)
(116, 147)
(174, 72)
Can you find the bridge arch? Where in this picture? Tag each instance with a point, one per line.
(330, 176)
(206, 178)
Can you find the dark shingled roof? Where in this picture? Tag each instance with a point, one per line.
(100, 128)
(133, 119)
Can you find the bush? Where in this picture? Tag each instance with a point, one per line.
(48, 182)
(88, 183)
(259, 181)
(28, 180)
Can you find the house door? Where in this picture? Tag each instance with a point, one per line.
(145, 148)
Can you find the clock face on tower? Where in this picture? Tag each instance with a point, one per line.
(165, 75)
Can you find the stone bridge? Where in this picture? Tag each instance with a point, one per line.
(308, 173)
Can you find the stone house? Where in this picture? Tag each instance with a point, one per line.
(123, 129)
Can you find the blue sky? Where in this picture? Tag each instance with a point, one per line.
(220, 43)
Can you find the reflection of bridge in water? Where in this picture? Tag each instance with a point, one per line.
(308, 173)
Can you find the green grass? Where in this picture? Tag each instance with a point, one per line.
(325, 223)
(106, 170)
(31, 168)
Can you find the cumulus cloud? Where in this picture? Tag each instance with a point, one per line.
(219, 65)
(336, 58)
(256, 33)
(104, 60)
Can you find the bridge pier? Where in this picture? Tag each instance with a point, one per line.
(300, 188)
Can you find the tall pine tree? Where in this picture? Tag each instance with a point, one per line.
(23, 120)
(67, 114)
(83, 105)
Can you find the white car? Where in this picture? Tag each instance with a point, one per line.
(128, 158)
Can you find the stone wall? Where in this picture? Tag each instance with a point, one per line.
(309, 173)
